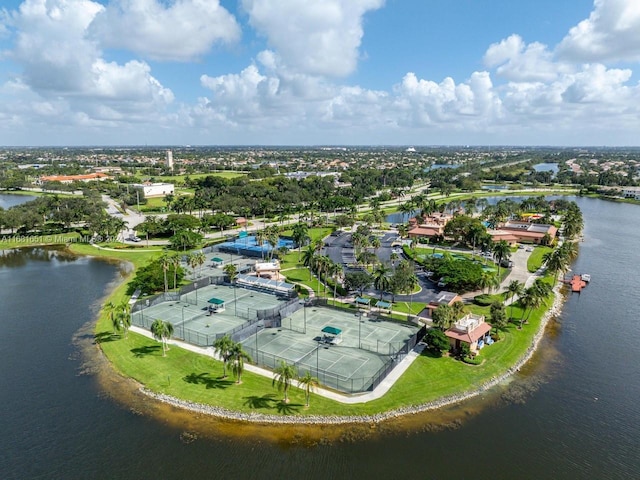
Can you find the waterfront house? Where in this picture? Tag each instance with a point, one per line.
(470, 329)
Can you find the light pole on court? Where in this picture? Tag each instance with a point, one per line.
(196, 285)
(359, 327)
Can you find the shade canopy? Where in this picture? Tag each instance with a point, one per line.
(216, 301)
(383, 304)
(331, 330)
(363, 301)
(217, 260)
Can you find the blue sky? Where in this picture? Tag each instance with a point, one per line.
(319, 72)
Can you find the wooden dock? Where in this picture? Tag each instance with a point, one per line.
(577, 284)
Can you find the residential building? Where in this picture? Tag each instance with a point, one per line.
(470, 329)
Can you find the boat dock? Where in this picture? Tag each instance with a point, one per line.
(578, 282)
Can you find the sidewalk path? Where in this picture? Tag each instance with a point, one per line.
(378, 392)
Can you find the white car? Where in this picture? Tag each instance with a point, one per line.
(529, 249)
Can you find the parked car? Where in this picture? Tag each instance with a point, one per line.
(529, 249)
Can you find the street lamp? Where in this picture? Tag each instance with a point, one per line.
(359, 327)
(195, 284)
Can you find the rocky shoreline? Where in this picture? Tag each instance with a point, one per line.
(366, 419)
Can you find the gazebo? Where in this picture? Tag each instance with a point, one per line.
(331, 335)
(362, 302)
(215, 305)
(216, 262)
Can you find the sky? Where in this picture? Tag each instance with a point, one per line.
(320, 72)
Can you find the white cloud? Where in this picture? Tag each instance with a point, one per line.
(64, 75)
(520, 62)
(428, 103)
(311, 36)
(183, 30)
(611, 33)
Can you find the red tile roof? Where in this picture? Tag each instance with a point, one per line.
(469, 337)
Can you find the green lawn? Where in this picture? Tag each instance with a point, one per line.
(189, 376)
(179, 179)
(314, 233)
(301, 275)
(535, 259)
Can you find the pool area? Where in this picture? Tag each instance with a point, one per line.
(248, 246)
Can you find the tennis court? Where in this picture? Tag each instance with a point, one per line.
(192, 323)
(358, 331)
(238, 301)
(350, 358)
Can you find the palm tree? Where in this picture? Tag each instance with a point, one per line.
(406, 208)
(237, 357)
(381, 280)
(192, 262)
(222, 346)
(165, 262)
(231, 271)
(498, 317)
(261, 236)
(162, 332)
(442, 316)
(110, 308)
(124, 316)
(412, 284)
(514, 288)
(175, 263)
(308, 382)
(300, 236)
(308, 259)
(283, 375)
(457, 309)
(335, 271)
(501, 251)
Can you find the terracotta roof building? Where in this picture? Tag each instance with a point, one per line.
(470, 329)
(88, 177)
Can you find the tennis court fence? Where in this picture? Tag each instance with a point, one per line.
(326, 378)
(180, 331)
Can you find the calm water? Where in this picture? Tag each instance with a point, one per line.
(546, 167)
(9, 200)
(576, 413)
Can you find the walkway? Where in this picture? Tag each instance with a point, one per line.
(366, 397)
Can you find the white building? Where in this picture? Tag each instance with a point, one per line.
(631, 192)
(155, 189)
(169, 159)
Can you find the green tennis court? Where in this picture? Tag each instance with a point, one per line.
(345, 351)
(234, 297)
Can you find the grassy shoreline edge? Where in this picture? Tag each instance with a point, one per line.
(377, 411)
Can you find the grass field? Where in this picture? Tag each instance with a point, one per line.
(535, 261)
(189, 376)
(179, 179)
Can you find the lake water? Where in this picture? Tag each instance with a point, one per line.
(546, 167)
(572, 413)
(8, 200)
